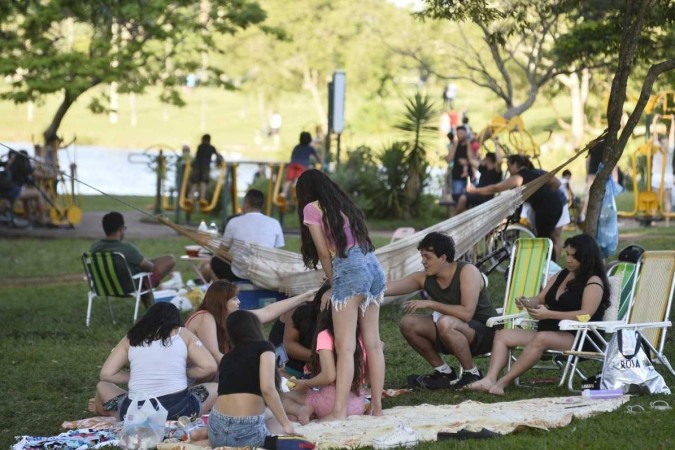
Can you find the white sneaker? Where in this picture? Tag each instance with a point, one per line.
(402, 436)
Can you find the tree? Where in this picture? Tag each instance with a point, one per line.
(511, 58)
(135, 44)
(621, 35)
(631, 34)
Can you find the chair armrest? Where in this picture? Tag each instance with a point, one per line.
(570, 325)
(524, 321)
(492, 321)
(638, 326)
(140, 275)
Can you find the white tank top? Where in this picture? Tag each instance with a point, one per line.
(156, 370)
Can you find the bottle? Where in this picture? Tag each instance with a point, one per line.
(213, 229)
(601, 393)
(202, 227)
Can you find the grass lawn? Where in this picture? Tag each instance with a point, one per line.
(51, 360)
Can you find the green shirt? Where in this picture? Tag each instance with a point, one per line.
(130, 252)
(452, 295)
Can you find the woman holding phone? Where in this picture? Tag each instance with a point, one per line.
(582, 289)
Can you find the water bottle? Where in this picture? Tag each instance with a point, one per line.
(598, 394)
(213, 229)
(202, 227)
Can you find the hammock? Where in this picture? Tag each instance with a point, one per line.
(284, 271)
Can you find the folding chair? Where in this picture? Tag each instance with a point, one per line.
(648, 313)
(109, 275)
(528, 270)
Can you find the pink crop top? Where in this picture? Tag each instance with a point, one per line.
(313, 216)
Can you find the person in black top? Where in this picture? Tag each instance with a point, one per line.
(546, 202)
(17, 183)
(490, 173)
(201, 167)
(580, 290)
(248, 381)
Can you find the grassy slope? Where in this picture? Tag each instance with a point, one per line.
(52, 360)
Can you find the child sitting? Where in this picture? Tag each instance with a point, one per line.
(315, 397)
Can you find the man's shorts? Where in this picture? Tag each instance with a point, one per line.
(482, 340)
(200, 174)
(476, 199)
(293, 171)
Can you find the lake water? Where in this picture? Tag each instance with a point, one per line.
(124, 171)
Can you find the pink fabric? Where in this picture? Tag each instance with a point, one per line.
(324, 341)
(312, 216)
(323, 400)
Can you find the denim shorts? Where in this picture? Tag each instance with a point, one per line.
(357, 274)
(458, 188)
(183, 403)
(229, 431)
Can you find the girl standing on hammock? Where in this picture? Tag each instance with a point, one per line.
(334, 233)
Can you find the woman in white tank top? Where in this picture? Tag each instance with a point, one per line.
(161, 355)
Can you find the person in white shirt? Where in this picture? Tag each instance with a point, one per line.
(252, 226)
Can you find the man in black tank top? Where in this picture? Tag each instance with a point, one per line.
(460, 307)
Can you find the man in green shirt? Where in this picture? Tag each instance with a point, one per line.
(114, 228)
(460, 307)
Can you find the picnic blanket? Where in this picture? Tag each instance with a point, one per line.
(357, 431)
(428, 420)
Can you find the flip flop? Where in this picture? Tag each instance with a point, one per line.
(634, 409)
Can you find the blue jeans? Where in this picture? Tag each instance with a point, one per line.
(357, 274)
(183, 403)
(229, 431)
(458, 188)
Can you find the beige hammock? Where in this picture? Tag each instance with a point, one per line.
(284, 271)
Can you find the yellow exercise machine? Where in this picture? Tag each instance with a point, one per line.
(647, 200)
(520, 140)
(184, 200)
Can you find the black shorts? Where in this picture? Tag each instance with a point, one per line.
(476, 199)
(200, 174)
(223, 270)
(482, 341)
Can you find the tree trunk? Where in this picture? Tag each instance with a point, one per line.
(311, 82)
(517, 110)
(50, 134)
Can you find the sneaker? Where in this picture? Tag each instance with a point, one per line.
(466, 379)
(402, 436)
(438, 380)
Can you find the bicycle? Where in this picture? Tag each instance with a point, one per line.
(493, 252)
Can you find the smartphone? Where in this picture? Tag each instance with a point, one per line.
(528, 303)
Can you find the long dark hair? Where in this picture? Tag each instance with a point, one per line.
(157, 323)
(590, 264)
(325, 322)
(522, 161)
(305, 316)
(313, 185)
(244, 327)
(215, 302)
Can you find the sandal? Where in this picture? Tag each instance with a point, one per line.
(660, 405)
(634, 409)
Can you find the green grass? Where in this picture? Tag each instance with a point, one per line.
(51, 360)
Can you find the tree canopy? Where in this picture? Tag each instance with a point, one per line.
(71, 46)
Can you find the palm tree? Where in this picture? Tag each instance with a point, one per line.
(417, 119)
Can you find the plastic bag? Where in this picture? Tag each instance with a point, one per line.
(143, 425)
(608, 224)
(627, 365)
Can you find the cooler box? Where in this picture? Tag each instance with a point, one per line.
(254, 297)
(165, 295)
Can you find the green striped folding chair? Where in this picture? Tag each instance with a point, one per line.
(647, 313)
(527, 276)
(109, 276)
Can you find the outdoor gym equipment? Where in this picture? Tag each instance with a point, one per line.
(186, 203)
(520, 140)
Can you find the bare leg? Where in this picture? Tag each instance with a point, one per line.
(461, 205)
(369, 325)
(163, 265)
(556, 237)
(420, 333)
(292, 402)
(554, 340)
(202, 192)
(504, 340)
(457, 336)
(344, 323)
(305, 414)
(105, 391)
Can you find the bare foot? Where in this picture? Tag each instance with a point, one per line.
(303, 418)
(483, 385)
(91, 406)
(497, 389)
(376, 412)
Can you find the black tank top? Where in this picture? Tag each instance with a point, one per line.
(452, 294)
